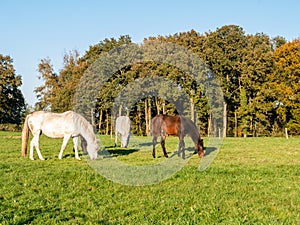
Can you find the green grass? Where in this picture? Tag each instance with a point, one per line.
(251, 181)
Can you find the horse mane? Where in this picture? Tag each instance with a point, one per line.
(191, 129)
(86, 129)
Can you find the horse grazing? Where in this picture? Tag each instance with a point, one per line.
(123, 127)
(163, 125)
(59, 125)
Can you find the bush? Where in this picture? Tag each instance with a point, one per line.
(10, 127)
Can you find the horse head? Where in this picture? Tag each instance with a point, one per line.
(124, 141)
(200, 147)
(92, 149)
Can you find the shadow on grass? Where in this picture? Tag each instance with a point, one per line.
(209, 150)
(189, 152)
(147, 144)
(115, 151)
(72, 155)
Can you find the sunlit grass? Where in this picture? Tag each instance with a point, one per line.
(251, 181)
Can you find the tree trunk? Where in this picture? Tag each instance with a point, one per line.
(251, 127)
(192, 106)
(209, 125)
(224, 119)
(139, 122)
(100, 120)
(92, 118)
(120, 110)
(149, 117)
(107, 123)
(111, 128)
(146, 114)
(235, 124)
(157, 104)
(286, 133)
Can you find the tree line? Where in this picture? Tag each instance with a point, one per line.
(259, 77)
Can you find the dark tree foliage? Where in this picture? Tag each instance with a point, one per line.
(12, 104)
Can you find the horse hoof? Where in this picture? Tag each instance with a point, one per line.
(31, 158)
(166, 156)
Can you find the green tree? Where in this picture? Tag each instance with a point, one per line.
(241, 63)
(106, 45)
(194, 42)
(256, 65)
(223, 53)
(102, 110)
(12, 103)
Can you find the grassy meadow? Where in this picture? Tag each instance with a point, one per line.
(251, 181)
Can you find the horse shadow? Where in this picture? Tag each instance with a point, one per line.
(145, 144)
(115, 151)
(209, 150)
(191, 151)
(112, 151)
(72, 155)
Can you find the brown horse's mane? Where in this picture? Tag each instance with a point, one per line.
(190, 128)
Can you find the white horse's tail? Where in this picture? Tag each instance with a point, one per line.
(25, 136)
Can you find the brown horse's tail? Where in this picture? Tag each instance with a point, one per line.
(25, 136)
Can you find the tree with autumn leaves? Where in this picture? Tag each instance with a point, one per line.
(285, 84)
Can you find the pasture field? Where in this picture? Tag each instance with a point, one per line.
(251, 181)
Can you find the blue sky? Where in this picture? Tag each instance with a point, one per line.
(34, 29)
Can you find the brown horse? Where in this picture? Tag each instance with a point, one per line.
(180, 126)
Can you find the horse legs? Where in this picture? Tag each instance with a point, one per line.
(83, 144)
(181, 147)
(154, 141)
(75, 142)
(116, 139)
(162, 143)
(32, 145)
(35, 143)
(63, 146)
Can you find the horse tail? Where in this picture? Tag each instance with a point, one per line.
(25, 136)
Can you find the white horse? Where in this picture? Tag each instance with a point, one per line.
(123, 127)
(59, 125)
